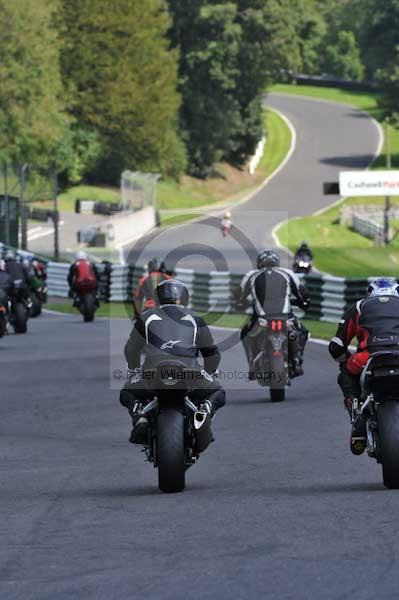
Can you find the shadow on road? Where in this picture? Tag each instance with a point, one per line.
(356, 162)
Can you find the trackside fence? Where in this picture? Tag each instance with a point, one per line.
(216, 291)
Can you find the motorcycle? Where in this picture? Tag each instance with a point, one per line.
(380, 404)
(302, 264)
(178, 430)
(20, 305)
(226, 226)
(87, 304)
(272, 365)
(38, 295)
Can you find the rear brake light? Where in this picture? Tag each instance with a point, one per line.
(277, 325)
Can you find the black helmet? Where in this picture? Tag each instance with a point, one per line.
(155, 264)
(267, 258)
(171, 291)
(10, 255)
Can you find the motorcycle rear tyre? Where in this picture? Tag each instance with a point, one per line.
(388, 434)
(170, 451)
(20, 318)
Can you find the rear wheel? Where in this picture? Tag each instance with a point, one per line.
(277, 395)
(170, 451)
(20, 318)
(388, 436)
(88, 308)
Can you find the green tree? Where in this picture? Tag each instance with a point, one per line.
(32, 117)
(122, 80)
(208, 38)
(342, 58)
(268, 46)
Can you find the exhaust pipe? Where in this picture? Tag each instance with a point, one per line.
(202, 430)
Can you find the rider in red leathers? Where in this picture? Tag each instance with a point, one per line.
(374, 322)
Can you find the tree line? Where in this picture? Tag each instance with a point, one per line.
(171, 86)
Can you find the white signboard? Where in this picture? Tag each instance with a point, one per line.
(369, 183)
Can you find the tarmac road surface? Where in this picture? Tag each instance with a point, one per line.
(276, 508)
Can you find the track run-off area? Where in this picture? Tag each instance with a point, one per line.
(276, 508)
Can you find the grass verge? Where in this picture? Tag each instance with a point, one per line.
(118, 310)
(337, 249)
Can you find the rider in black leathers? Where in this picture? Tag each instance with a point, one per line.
(303, 251)
(268, 289)
(15, 268)
(170, 330)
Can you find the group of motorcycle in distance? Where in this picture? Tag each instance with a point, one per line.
(23, 289)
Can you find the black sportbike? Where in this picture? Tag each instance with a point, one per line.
(303, 263)
(19, 306)
(179, 430)
(380, 405)
(273, 364)
(87, 304)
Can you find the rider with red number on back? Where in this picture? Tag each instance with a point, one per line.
(144, 294)
(83, 276)
(374, 322)
(268, 290)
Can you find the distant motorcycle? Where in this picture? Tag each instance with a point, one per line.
(38, 295)
(380, 404)
(19, 306)
(178, 430)
(226, 226)
(302, 264)
(87, 304)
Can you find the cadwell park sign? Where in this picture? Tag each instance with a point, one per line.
(369, 183)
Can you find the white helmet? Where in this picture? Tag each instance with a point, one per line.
(81, 255)
(383, 286)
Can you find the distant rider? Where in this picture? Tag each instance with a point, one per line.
(82, 276)
(226, 223)
(374, 322)
(144, 293)
(303, 251)
(170, 330)
(268, 290)
(14, 267)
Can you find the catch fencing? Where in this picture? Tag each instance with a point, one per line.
(216, 291)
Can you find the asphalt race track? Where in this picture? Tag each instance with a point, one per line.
(330, 138)
(276, 508)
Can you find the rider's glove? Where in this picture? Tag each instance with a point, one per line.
(207, 376)
(134, 375)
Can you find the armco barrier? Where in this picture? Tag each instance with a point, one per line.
(216, 291)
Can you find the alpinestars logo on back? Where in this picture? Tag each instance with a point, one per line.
(170, 344)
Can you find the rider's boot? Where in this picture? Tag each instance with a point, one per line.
(139, 434)
(358, 436)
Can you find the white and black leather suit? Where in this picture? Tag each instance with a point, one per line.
(268, 291)
(175, 332)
